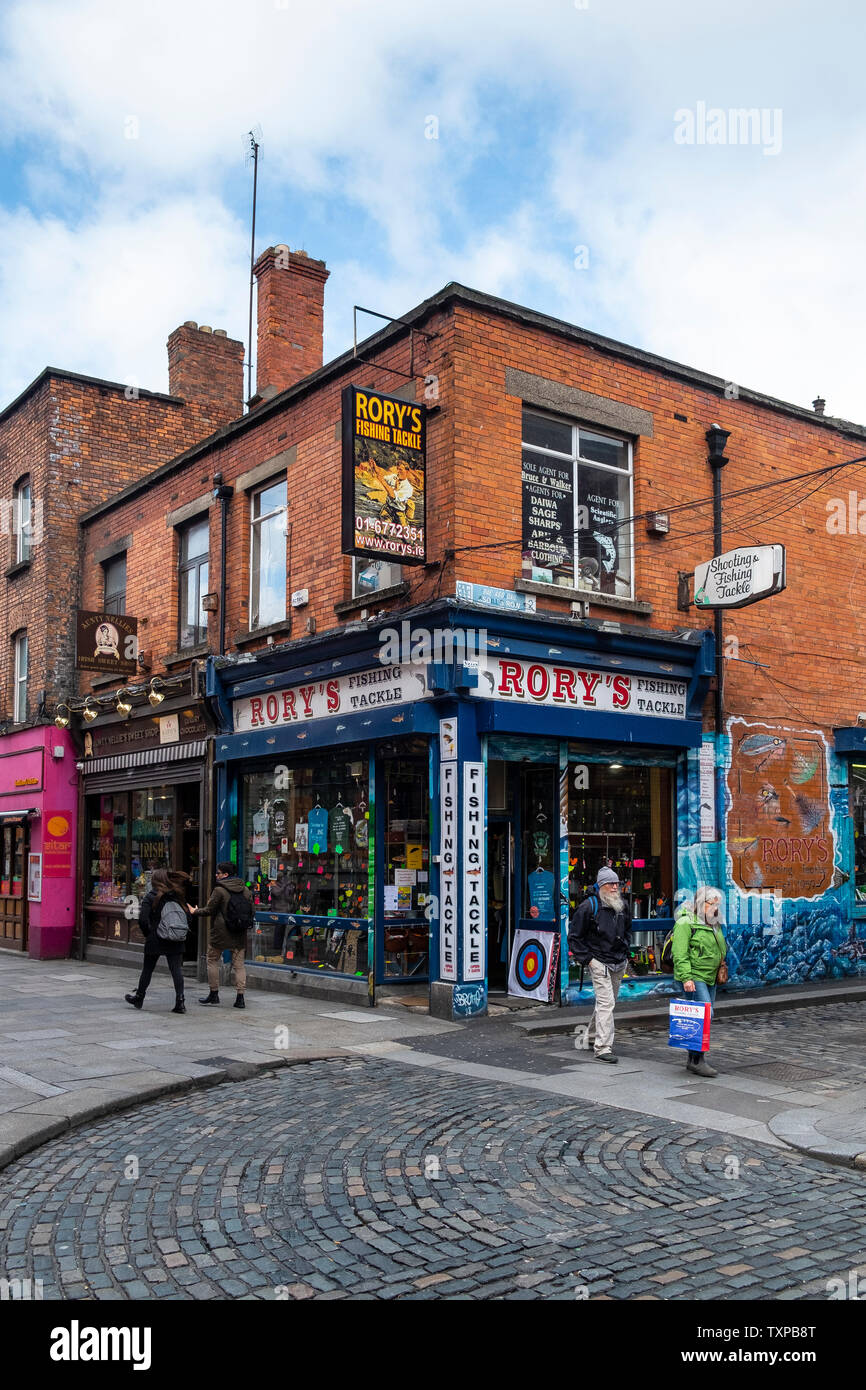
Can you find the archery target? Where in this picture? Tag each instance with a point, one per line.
(533, 964)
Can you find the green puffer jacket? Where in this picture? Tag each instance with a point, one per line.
(698, 950)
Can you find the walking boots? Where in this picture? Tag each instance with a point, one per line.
(179, 1006)
(239, 1002)
(213, 998)
(136, 999)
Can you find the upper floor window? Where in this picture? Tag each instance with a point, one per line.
(268, 555)
(114, 592)
(192, 582)
(370, 575)
(577, 507)
(22, 515)
(19, 678)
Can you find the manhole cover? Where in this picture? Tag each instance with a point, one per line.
(784, 1071)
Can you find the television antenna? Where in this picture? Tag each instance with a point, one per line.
(252, 144)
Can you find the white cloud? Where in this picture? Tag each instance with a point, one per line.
(737, 263)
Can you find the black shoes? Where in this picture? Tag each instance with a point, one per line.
(213, 998)
(606, 1057)
(239, 1002)
(136, 999)
(180, 1006)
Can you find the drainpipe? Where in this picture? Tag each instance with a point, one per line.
(223, 493)
(716, 439)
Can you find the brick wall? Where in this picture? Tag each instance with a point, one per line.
(809, 637)
(82, 440)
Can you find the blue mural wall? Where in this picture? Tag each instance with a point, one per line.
(774, 940)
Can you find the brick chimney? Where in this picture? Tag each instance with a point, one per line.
(206, 368)
(291, 300)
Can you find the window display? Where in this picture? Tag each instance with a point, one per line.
(858, 816)
(12, 880)
(305, 853)
(406, 863)
(129, 834)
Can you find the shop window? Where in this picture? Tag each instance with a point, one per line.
(621, 815)
(268, 555)
(406, 861)
(20, 658)
(193, 548)
(540, 848)
(22, 519)
(114, 585)
(12, 879)
(370, 575)
(132, 833)
(305, 853)
(577, 507)
(107, 827)
(858, 817)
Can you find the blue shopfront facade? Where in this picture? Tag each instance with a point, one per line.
(409, 796)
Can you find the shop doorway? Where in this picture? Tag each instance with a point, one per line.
(522, 858)
(13, 885)
(500, 900)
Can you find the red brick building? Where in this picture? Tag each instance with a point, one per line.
(550, 454)
(66, 443)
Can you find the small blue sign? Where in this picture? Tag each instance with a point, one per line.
(489, 597)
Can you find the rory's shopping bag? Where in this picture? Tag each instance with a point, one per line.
(689, 1025)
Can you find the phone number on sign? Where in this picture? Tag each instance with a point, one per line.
(388, 528)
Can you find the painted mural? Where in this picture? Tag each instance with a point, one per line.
(779, 834)
(774, 939)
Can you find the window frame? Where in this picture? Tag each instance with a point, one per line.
(109, 600)
(184, 567)
(364, 561)
(576, 459)
(23, 530)
(19, 679)
(256, 523)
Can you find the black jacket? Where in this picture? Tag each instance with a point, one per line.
(601, 936)
(148, 921)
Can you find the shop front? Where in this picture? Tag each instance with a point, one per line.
(402, 821)
(144, 806)
(37, 842)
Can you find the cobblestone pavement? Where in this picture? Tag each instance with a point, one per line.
(320, 1181)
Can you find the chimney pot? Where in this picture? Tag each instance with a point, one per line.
(205, 328)
(220, 333)
(190, 323)
(818, 405)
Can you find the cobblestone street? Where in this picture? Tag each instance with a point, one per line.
(360, 1177)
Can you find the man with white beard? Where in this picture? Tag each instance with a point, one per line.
(598, 936)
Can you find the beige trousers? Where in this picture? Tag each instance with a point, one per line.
(606, 980)
(214, 956)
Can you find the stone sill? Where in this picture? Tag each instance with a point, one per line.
(283, 629)
(188, 654)
(20, 567)
(628, 605)
(371, 599)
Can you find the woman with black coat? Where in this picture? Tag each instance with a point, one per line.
(166, 886)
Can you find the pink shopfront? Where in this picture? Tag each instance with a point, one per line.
(38, 806)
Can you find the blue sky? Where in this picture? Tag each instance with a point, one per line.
(124, 197)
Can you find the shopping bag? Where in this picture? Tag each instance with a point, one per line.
(689, 1025)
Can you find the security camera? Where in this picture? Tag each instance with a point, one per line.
(861, 717)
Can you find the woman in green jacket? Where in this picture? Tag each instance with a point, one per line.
(698, 949)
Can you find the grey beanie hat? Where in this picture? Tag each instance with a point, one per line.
(606, 876)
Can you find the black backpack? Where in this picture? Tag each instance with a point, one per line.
(239, 912)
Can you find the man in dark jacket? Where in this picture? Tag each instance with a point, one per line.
(222, 938)
(598, 936)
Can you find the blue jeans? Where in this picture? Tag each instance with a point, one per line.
(701, 994)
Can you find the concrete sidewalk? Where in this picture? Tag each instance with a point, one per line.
(71, 1049)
